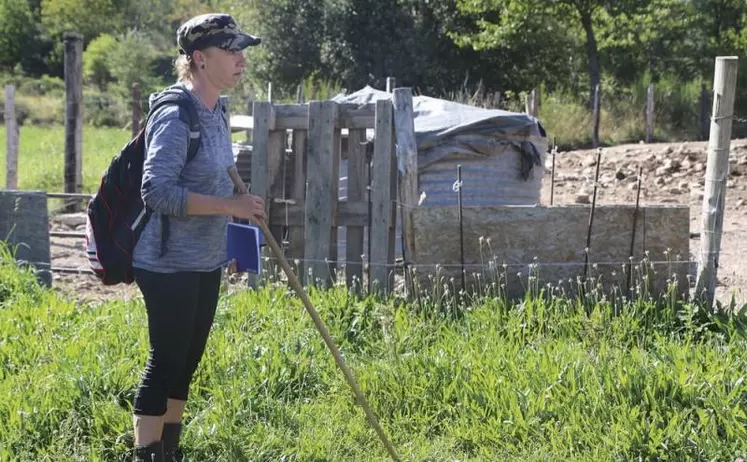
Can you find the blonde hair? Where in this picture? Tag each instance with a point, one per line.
(184, 68)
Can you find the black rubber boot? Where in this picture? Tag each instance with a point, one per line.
(170, 438)
(150, 453)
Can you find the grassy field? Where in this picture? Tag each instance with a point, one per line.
(41, 156)
(540, 380)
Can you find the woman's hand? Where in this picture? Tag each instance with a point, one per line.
(248, 207)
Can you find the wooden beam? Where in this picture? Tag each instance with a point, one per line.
(349, 213)
(295, 117)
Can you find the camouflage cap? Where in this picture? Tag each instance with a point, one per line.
(215, 29)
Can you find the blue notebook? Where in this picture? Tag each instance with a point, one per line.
(243, 244)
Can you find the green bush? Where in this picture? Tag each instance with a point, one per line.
(96, 59)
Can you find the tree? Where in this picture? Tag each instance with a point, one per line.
(501, 22)
(16, 31)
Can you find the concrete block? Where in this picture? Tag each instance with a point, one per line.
(24, 225)
(550, 242)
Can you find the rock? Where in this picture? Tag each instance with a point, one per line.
(590, 161)
(675, 191)
(742, 161)
(699, 167)
(668, 150)
(620, 175)
(684, 185)
(72, 220)
(582, 199)
(660, 181)
(686, 164)
(696, 194)
(663, 171)
(672, 164)
(633, 186)
(731, 184)
(739, 203)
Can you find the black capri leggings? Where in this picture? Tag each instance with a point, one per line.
(181, 308)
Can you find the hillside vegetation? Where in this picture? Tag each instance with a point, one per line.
(485, 52)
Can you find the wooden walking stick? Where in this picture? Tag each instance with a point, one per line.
(321, 327)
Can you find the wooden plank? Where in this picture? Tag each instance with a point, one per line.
(357, 192)
(318, 222)
(393, 189)
(260, 153)
(381, 198)
(349, 214)
(335, 186)
(407, 160)
(295, 117)
(260, 149)
(355, 116)
(296, 232)
(276, 155)
(12, 134)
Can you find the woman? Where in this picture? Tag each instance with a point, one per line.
(181, 285)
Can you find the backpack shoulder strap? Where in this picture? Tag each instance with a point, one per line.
(187, 113)
(226, 119)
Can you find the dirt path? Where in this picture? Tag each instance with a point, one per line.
(673, 173)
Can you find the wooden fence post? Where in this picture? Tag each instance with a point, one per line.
(717, 169)
(407, 160)
(597, 115)
(650, 113)
(137, 108)
(73, 69)
(12, 135)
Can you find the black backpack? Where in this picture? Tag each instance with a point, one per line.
(116, 214)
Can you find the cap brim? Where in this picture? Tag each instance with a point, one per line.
(241, 40)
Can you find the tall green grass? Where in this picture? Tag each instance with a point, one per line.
(544, 379)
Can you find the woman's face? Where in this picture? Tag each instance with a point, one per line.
(223, 69)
